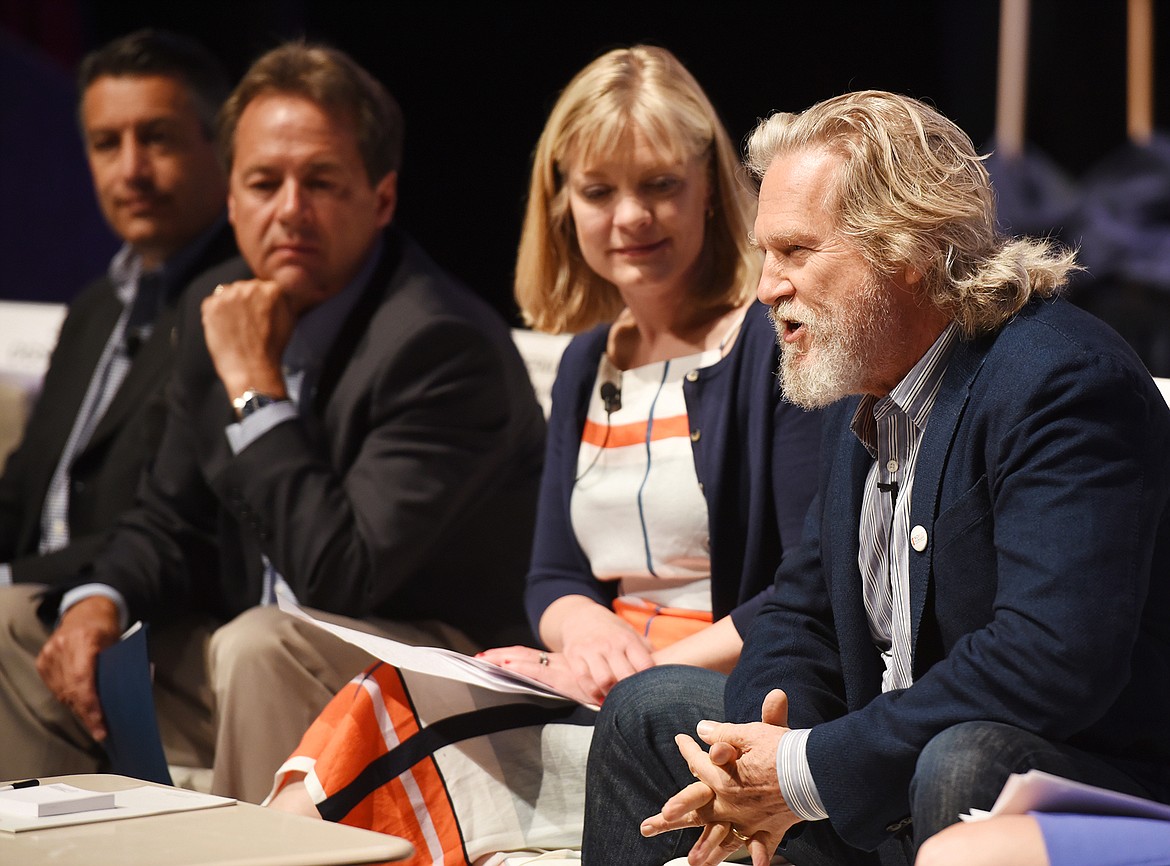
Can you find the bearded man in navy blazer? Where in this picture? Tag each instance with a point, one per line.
(985, 579)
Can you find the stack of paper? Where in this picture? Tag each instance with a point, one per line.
(1037, 791)
(44, 801)
(127, 803)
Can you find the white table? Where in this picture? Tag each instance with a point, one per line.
(236, 835)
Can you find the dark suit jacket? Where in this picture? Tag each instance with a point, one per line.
(105, 472)
(1040, 600)
(406, 491)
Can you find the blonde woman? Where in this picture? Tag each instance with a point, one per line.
(675, 477)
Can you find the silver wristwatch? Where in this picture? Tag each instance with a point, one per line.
(251, 401)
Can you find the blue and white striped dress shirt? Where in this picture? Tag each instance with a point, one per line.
(890, 428)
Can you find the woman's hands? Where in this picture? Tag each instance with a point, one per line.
(596, 646)
(553, 670)
(601, 648)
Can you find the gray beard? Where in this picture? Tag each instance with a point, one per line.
(845, 342)
(819, 383)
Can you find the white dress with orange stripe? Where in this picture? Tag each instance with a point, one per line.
(637, 509)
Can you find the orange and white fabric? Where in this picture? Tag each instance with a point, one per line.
(472, 777)
(460, 772)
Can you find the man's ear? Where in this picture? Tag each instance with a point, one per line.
(387, 193)
(911, 276)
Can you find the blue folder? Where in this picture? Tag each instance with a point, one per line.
(132, 743)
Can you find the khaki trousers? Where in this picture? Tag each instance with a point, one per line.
(236, 697)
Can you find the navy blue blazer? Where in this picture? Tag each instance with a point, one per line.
(1040, 599)
(756, 457)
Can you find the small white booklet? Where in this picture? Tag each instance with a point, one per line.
(1037, 791)
(115, 805)
(43, 801)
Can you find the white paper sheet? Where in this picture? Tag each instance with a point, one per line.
(1037, 791)
(427, 660)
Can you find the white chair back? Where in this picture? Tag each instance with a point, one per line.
(542, 355)
(28, 333)
(1164, 387)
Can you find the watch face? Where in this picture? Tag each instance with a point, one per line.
(251, 401)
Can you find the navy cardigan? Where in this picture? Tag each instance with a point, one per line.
(756, 457)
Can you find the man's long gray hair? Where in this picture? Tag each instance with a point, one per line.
(912, 192)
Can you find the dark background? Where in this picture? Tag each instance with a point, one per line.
(476, 80)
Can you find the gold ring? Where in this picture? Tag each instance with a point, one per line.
(738, 835)
(544, 659)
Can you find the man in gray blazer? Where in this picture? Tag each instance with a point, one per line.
(346, 421)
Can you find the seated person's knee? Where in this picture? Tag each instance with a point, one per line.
(251, 640)
(954, 749)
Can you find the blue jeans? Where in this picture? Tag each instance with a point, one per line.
(965, 766)
(634, 766)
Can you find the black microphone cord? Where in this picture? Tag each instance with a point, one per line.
(611, 396)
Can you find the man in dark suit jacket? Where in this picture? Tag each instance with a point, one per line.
(148, 118)
(345, 421)
(983, 583)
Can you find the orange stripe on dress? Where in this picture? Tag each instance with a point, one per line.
(662, 626)
(353, 739)
(622, 435)
(440, 811)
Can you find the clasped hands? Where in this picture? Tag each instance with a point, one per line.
(736, 797)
